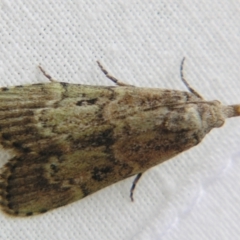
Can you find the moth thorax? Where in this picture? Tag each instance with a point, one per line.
(212, 114)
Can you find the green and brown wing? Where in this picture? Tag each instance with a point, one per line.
(72, 140)
(57, 133)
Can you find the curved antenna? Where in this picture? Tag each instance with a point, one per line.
(186, 83)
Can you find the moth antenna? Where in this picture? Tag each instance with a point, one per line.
(186, 83)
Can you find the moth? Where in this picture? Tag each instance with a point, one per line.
(71, 140)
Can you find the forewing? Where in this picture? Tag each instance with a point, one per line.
(72, 140)
(46, 125)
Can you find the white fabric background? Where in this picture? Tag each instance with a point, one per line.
(142, 42)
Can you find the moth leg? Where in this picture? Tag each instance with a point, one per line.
(186, 83)
(134, 185)
(115, 80)
(46, 74)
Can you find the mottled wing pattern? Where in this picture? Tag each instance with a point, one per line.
(41, 122)
(72, 140)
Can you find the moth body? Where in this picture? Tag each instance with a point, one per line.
(71, 140)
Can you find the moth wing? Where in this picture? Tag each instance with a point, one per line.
(32, 184)
(51, 130)
(72, 140)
